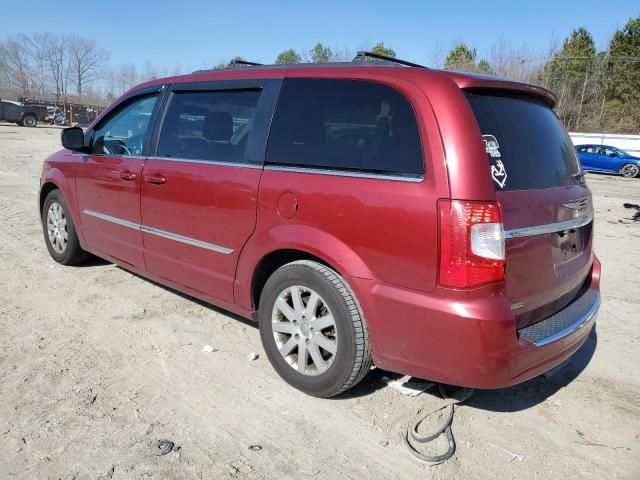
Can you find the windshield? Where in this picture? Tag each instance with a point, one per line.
(527, 147)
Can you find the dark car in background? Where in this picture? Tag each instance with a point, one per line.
(606, 159)
(23, 115)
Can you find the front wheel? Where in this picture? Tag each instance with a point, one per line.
(313, 330)
(630, 170)
(59, 231)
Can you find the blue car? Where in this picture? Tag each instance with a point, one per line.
(602, 158)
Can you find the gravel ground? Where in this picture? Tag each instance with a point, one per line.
(98, 366)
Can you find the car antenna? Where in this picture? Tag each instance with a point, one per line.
(362, 55)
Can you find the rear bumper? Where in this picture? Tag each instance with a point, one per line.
(468, 337)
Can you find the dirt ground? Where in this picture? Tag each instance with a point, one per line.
(97, 365)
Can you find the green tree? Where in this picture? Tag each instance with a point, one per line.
(320, 54)
(575, 59)
(624, 53)
(288, 57)
(570, 74)
(380, 49)
(484, 67)
(461, 57)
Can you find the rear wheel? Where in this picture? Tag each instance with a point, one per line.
(630, 170)
(29, 121)
(59, 231)
(312, 329)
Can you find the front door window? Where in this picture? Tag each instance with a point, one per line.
(124, 132)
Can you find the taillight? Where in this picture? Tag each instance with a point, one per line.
(471, 243)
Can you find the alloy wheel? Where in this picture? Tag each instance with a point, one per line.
(304, 330)
(57, 227)
(630, 171)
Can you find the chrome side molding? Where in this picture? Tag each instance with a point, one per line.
(550, 227)
(344, 173)
(160, 233)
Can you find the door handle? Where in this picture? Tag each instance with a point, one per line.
(155, 179)
(127, 175)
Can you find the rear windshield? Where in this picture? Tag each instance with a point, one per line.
(526, 146)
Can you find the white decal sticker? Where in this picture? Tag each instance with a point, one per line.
(491, 146)
(498, 173)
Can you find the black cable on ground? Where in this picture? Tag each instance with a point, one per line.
(444, 427)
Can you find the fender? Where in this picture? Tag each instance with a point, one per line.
(53, 175)
(304, 238)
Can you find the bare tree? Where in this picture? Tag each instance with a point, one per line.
(437, 56)
(14, 61)
(39, 44)
(57, 62)
(126, 77)
(151, 72)
(86, 61)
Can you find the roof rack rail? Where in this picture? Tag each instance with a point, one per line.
(362, 55)
(238, 61)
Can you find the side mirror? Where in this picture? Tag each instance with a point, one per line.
(73, 139)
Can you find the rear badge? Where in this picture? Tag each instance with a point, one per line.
(517, 306)
(498, 172)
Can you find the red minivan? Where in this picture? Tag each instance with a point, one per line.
(432, 223)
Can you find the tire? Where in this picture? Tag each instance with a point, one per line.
(30, 121)
(630, 170)
(65, 251)
(320, 373)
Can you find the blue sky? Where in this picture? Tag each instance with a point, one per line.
(201, 33)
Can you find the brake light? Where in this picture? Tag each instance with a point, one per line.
(471, 243)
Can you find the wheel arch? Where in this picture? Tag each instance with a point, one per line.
(54, 179)
(45, 190)
(29, 114)
(282, 244)
(272, 262)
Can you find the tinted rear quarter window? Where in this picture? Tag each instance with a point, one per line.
(526, 145)
(345, 125)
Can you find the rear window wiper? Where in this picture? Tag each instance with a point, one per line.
(578, 176)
